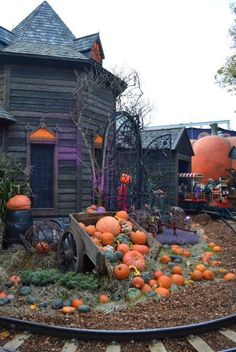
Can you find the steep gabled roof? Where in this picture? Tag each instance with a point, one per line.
(84, 44)
(43, 25)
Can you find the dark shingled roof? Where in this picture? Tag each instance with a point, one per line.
(148, 136)
(6, 116)
(43, 32)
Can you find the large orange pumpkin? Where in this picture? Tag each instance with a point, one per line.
(211, 157)
(134, 258)
(19, 202)
(108, 224)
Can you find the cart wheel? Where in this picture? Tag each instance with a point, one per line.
(70, 252)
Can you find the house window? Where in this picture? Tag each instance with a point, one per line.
(42, 161)
(41, 152)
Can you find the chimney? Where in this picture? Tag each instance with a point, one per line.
(214, 129)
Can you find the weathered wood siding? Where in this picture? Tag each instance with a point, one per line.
(1, 83)
(37, 92)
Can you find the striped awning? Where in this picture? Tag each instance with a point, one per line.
(190, 174)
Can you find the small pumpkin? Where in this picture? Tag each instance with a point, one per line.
(76, 302)
(3, 295)
(121, 271)
(138, 282)
(57, 303)
(90, 229)
(196, 275)
(104, 299)
(133, 294)
(15, 279)
(68, 310)
(208, 275)
(84, 308)
(164, 281)
(134, 258)
(32, 299)
(165, 259)
(24, 291)
(142, 248)
(152, 283)
(123, 247)
(178, 279)
(200, 267)
(145, 289)
(163, 292)
(122, 214)
(138, 237)
(177, 270)
(229, 277)
(19, 202)
(157, 274)
(107, 238)
(216, 249)
(41, 247)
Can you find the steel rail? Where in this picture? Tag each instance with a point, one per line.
(117, 335)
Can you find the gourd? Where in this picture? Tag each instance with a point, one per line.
(122, 238)
(108, 224)
(32, 299)
(19, 202)
(84, 308)
(24, 291)
(146, 276)
(3, 301)
(67, 303)
(111, 256)
(133, 294)
(57, 303)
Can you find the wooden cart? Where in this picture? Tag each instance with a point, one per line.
(74, 243)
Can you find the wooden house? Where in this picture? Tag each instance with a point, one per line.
(38, 62)
(170, 153)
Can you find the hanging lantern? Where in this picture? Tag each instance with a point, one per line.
(98, 140)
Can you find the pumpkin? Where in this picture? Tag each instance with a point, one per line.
(125, 179)
(178, 279)
(177, 270)
(121, 271)
(138, 282)
(229, 277)
(141, 248)
(68, 310)
(152, 283)
(145, 289)
(208, 275)
(67, 303)
(24, 291)
(211, 244)
(196, 275)
(165, 259)
(200, 267)
(164, 281)
(15, 279)
(123, 248)
(146, 276)
(216, 249)
(3, 301)
(76, 302)
(178, 250)
(3, 295)
(186, 253)
(122, 238)
(41, 247)
(19, 202)
(157, 274)
(107, 238)
(134, 258)
(122, 214)
(163, 292)
(111, 256)
(90, 229)
(133, 294)
(108, 224)
(104, 299)
(138, 237)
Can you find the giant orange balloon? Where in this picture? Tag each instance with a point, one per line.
(211, 157)
(232, 141)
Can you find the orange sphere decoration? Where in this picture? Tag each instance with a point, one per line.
(19, 202)
(42, 247)
(211, 157)
(121, 271)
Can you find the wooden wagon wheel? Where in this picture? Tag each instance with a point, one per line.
(70, 252)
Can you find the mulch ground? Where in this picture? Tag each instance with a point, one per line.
(196, 303)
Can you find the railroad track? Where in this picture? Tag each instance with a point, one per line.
(231, 223)
(216, 335)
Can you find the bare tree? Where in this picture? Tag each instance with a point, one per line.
(127, 93)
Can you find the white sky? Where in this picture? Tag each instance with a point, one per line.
(175, 45)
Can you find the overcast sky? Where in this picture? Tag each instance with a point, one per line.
(175, 45)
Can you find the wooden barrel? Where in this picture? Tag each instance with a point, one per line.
(17, 223)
